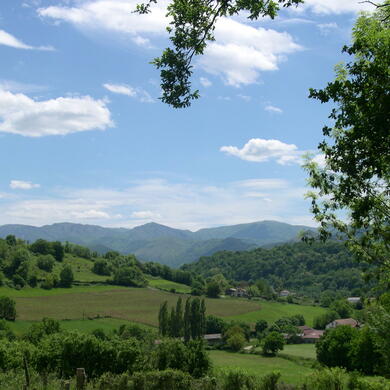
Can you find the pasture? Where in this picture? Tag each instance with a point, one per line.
(132, 304)
(272, 311)
(292, 373)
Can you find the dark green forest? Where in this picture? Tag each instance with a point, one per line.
(310, 269)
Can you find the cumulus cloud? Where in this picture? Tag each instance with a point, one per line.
(185, 204)
(238, 55)
(273, 109)
(262, 150)
(7, 39)
(22, 185)
(241, 52)
(137, 93)
(334, 6)
(19, 114)
(112, 15)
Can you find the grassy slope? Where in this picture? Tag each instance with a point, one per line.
(167, 285)
(132, 304)
(307, 351)
(272, 311)
(258, 365)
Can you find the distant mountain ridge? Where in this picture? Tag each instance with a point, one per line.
(160, 243)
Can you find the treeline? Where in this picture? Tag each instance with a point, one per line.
(189, 323)
(300, 267)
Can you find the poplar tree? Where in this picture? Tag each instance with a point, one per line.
(163, 319)
(187, 321)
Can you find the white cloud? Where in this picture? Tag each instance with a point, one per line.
(90, 214)
(7, 39)
(120, 89)
(205, 82)
(262, 150)
(22, 185)
(238, 55)
(147, 214)
(15, 86)
(273, 109)
(333, 6)
(19, 114)
(326, 28)
(137, 93)
(186, 204)
(241, 52)
(246, 98)
(112, 15)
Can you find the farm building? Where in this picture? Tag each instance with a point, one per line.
(344, 321)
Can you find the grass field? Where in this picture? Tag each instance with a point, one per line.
(307, 351)
(292, 373)
(19, 327)
(272, 311)
(136, 304)
(167, 285)
(132, 304)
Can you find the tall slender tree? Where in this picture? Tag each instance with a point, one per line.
(179, 318)
(163, 319)
(187, 321)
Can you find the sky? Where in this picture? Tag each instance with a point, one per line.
(85, 139)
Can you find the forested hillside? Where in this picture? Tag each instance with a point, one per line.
(300, 267)
(163, 244)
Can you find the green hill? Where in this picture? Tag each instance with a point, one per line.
(159, 243)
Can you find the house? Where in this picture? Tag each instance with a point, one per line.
(354, 300)
(284, 293)
(309, 335)
(213, 338)
(344, 321)
(237, 292)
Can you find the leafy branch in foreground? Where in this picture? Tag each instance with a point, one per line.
(191, 27)
(356, 177)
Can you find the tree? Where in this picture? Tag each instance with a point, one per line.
(58, 251)
(46, 262)
(163, 319)
(213, 289)
(100, 267)
(261, 326)
(130, 276)
(355, 178)
(187, 321)
(334, 347)
(192, 26)
(7, 309)
(66, 276)
(273, 343)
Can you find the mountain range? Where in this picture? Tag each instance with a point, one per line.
(160, 243)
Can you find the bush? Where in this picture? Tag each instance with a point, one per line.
(130, 276)
(7, 309)
(100, 267)
(66, 276)
(46, 262)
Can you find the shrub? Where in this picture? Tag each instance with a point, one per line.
(46, 262)
(66, 276)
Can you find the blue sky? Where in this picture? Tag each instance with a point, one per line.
(84, 138)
